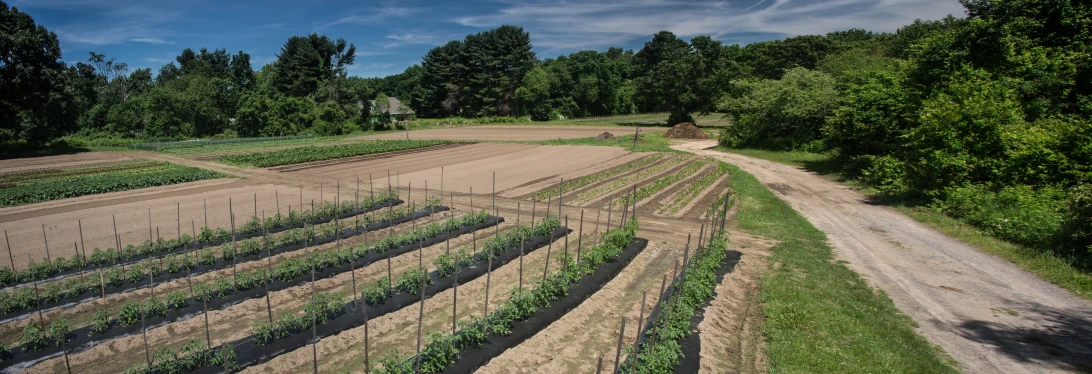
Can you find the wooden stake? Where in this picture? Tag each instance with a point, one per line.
(48, 258)
(599, 366)
(205, 311)
(560, 194)
(534, 206)
(420, 319)
(580, 237)
(595, 235)
(364, 311)
(549, 202)
(277, 197)
(178, 219)
(610, 208)
(640, 327)
(618, 351)
(144, 332)
(549, 248)
(205, 204)
(390, 229)
(8, 245)
(565, 257)
(64, 348)
(701, 234)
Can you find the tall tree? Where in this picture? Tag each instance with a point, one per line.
(33, 100)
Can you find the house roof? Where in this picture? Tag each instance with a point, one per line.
(396, 106)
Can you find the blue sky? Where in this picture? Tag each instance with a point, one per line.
(392, 35)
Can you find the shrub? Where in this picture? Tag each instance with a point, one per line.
(1021, 214)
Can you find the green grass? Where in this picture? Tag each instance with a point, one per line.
(649, 142)
(1044, 264)
(820, 316)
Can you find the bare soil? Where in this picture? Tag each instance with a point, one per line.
(60, 161)
(572, 343)
(953, 291)
(508, 133)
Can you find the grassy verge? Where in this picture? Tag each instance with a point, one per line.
(1044, 264)
(820, 315)
(649, 142)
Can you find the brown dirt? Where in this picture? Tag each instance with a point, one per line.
(507, 133)
(917, 267)
(731, 333)
(606, 136)
(60, 161)
(570, 344)
(685, 130)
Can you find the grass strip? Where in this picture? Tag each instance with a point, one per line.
(820, 316)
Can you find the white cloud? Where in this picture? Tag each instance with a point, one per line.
(559, 25)
(379, 16)
(418, 37)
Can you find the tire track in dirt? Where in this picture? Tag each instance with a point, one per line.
(952, 290)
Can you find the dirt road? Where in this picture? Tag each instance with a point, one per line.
(988, 314)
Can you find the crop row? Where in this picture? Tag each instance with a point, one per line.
(692, 190)
(592, 178)
(656, 186)
(162, 146)
(207, 259)
(674, 160)
(444, 350)
(102, 183)
(51, 174)
(319, 153)
(108, 324)
(324, 212)
(411, 282)
(658, 349)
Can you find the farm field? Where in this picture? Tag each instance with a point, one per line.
(524, 171)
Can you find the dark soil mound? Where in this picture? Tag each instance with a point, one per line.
(685, 130)
(605, 136)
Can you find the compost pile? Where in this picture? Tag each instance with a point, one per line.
(685, 130)
(605, 136)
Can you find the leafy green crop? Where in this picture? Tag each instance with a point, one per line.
(692, 190)
(319, 153)
(667, 180)
(592, 178)
(672, 161)
(102, 183)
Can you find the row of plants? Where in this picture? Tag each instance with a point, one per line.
(50, 267)
(319, 153)
(718, 206)
(287, 271)
(194, 355)
(211, 258)
(659, 349)
(672, 161)
(443, 350)
(102, 183)
(571, 185)
(165, 146)
(16, 179)
(656, 186)
(693, 189)
(411, 281)
(320, 309)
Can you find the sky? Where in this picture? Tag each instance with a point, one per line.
(393, 35)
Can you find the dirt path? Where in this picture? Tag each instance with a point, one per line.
(988, 314)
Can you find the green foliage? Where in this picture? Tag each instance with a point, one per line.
(102, 183)
(308, 154)
(522, 304)
(786, 113)
(573, 184)
(58, 331)
(33, 337)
